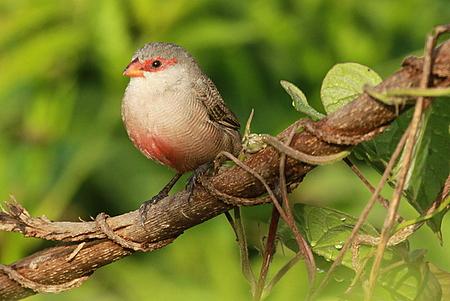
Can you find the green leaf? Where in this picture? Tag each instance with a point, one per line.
(299, 100)
(444, 280)
(326, 230)
(430, 164)
(345, 82)
(411, 279)
(404, 275)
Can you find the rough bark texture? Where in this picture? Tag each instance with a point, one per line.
(358, 121)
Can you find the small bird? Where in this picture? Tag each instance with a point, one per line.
(173, 112)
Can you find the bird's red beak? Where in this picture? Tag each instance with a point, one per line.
(134, 69)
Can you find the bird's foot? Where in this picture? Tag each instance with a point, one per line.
(145, 207)
(196, 174)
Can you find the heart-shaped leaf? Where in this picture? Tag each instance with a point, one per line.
(345, 82)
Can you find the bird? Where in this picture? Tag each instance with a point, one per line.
(174, 114)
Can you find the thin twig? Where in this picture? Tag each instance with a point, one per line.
(260, 178)
(243, 249)
(304, 248)
(442, 207)
(231, 199)
(408, 153)
(303, 157)
(231, 222)
(269, 251)
(291, 263)
(364, 214)
(381, 199)
(123, 242)
(359, 273)
(283, 215)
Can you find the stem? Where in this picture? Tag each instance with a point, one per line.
(304, 248)
(443, 206)
(272, 196)
(268, 254)
(425, 92)
(409, 148)
(381, 200)
(363, 217)
(303, 157)
(281, 273)
(242, 241)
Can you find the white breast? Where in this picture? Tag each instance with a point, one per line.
(163, 105)
(158, 102)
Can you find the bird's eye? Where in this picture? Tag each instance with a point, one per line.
(156, 64)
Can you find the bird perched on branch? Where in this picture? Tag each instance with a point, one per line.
(173, 112)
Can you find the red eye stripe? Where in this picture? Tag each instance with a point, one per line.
(165, 63)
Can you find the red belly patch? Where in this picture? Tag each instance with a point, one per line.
(158, 149)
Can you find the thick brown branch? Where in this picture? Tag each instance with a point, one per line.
(355, 122)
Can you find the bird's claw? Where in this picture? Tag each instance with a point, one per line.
(145, 207)
(190, 186)
(143, 210)
(199, 172)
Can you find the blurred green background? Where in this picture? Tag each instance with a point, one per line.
(65, 154)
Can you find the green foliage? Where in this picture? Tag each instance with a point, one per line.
(406, 275)
(326, 230)
(299, 100)
(411, 279)
(443, 278)
(64, 153)
(430, 165)
(344, 83)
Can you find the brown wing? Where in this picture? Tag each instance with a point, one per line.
(218, 111)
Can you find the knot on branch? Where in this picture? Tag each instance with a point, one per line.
(127, 243)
